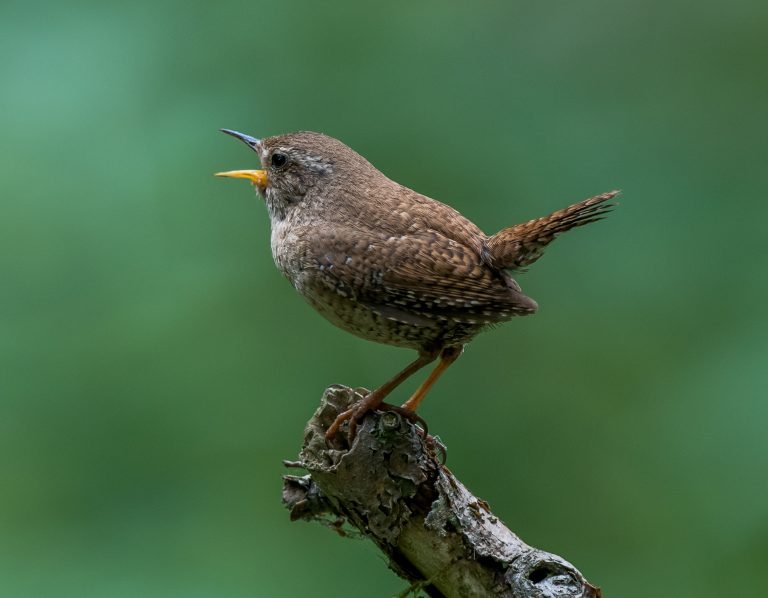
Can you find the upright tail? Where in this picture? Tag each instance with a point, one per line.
(520, 245)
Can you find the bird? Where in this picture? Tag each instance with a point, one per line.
(389, 264)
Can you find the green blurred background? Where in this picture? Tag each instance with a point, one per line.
(155, 368)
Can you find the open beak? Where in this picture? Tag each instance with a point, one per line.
(257, 177)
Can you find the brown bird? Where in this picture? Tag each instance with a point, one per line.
(388, 264)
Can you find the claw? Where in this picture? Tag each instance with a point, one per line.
(333, 429)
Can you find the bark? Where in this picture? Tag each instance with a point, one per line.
(391, 487)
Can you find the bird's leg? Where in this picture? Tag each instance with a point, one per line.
(375, 398)
(447, 357)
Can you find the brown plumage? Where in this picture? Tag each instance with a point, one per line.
(389, 264)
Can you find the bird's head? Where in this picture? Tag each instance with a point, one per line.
(298, 165)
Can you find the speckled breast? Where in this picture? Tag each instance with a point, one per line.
(378, 323)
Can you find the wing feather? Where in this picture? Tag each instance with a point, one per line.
(416, 277)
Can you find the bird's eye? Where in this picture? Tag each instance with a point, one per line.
(279, 159)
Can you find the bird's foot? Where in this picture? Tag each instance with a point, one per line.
(368, 403)
(333, 429)
(354, 414)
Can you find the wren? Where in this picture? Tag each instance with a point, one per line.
(388, 264)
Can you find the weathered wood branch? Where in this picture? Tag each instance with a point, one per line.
(391, 486)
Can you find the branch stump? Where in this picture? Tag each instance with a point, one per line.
(391, 486)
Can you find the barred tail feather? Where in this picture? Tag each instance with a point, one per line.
(519, 246)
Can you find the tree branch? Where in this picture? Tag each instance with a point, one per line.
(392, 488)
